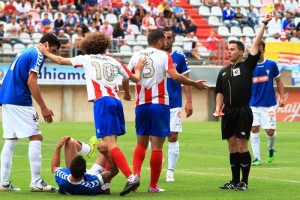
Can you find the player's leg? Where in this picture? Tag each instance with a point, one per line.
(255, 137)
(173, 144)
(269, 124)
(8, 148)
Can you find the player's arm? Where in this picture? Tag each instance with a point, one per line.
(259, 35)
(44, 49)
(219, 105)
(280, 89)
(55, 164)
(199, 84)
(35, 92)
(113, 171)
(125, 84)
(188, 95)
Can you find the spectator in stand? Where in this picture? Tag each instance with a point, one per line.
(40, 5)
(92, 6)
(125, 25)
(179, 11)
(286, 21)
(106, 6)
(9, 9)
(65, 44)
(228, 16)
(80, 5)
(118, 36)
(138, 3)
(139, 15)
(291, 29)
(85, 21)
(77, 39)
(252, 16)
(155, 3)
(93, 27)
(30, 25)
(97, 19)
(71, 20)
(3, 18)
(13, 32)
(174, 23)
(106, 28)
(24, 6)
(240, 18)
(279, 7)
(165, 8)
(53, 5)
(58, 24)
(46, 24)
(274, 27)
(148, 24)
(161, 21)
(127, 12)
(190, 46)
(213, 43)
(247, 44)
(66, 5)
(22, 20)
(187, 23)
(291, 6)
(153, 10)
(2, 33)
(298, 29)
(117, 5)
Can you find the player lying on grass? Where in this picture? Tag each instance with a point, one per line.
(74, 178)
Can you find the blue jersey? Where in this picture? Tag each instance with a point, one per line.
(89, 185)
(174, 88)
(14, 88)
(263, 93)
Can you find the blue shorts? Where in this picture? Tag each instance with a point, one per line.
(108, 117)
(152, 119)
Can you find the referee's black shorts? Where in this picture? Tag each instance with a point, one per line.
(237, 121)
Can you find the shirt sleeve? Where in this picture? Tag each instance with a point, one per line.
(184, 66)
(77, 61)
(276, 70)
(219, 83)
(169, 62)
(36, 61)
(251, 60)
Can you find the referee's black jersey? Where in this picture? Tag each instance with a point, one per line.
(235, 82)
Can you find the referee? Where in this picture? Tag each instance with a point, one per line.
(233, 92)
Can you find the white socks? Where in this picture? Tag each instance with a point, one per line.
(255, 144)
(35, 159)
(271, 140)
(96, 169)
(6, 160)
(85, 149)
(173, 153)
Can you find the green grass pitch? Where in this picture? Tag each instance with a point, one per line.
(203, 165)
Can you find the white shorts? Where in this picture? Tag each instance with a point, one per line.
(264, 117)
(19, 121)
(175, 120)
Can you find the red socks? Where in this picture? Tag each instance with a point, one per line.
(138, 158)
(156, 166)
(120, 161)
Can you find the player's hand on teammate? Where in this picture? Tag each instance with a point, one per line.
(43, 48)
(140, 64)
(103, 148)
(47, 114)
(200, 85)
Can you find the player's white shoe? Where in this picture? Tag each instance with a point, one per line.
(9, 187)
(42, 186)
(170, 177)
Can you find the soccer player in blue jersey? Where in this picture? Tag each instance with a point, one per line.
(175, 99)
(74, 178)
(19, 117)
(263, 104)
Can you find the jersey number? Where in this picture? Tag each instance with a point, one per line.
(150, 68)
(105, 71)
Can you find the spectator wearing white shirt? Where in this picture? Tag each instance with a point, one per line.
(23, 7)
(275, 27)
(153, 10)
(291, 6)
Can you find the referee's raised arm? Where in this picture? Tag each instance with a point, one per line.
(258, 38)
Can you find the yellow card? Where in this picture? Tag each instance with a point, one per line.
(270, 8)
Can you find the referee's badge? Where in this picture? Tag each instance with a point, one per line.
(236, 72)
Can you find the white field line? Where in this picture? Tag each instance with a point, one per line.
(190, 171)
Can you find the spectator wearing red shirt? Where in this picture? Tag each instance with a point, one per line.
(9, 9)
(212, 46)
(117, 5)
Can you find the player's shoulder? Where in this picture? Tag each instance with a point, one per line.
(271, 62)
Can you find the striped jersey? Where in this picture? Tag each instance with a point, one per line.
(14, 88)
(174, 88)
(263, 93)
(89, 185)
(101, 74)
(152, 88)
